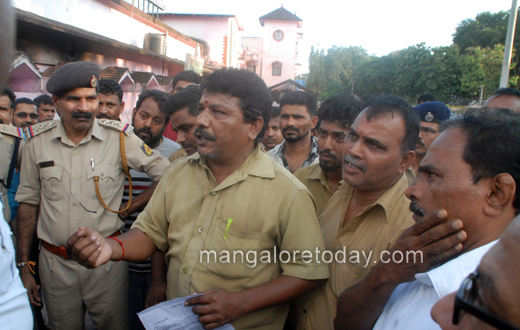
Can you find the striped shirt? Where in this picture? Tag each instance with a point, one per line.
(141, 182)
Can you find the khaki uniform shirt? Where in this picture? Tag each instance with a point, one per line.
(375, 230)
(314, 179)
(177, 154)
(411, 175)
(270, 210)
(58, 175)
(8, 136)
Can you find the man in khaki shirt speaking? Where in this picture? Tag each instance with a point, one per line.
(367, 215)
(335, 115)
(61, 161)
(211, 206)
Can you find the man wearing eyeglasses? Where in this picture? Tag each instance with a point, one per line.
(463, 199)
(432, 114)
(490, 296)
(25, 112)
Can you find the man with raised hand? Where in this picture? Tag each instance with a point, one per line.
(215, 201)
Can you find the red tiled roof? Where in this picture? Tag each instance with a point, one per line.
(142, 77)
(50, 70)
(280, 14)
(113, 73)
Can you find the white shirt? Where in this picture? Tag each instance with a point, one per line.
(410, 304)
(15, 311)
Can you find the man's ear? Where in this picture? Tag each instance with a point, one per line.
(122, 108)
(407, 160)
(255, 127)
(502, 193)
(56, 100)
(133, 112)
(314, 122)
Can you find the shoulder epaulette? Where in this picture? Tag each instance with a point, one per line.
(34, 130)
(12, 131)
(116, 125)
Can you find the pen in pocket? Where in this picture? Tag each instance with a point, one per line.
(229, 222)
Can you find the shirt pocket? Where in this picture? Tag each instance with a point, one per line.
(108, 181)
(237, 252)
(52, 182)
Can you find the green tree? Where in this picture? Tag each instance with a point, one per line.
(482, 67)
(317, 79)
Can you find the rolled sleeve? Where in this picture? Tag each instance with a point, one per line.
(30, 185)
(302, 233)
(153, 164)
(153, 220)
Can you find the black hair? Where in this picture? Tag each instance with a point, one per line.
(493, 143)
(391, 104)
(275, 111)
(23, 100)
(301, 98)
(186, 97)
(425, 98)
(188, 75)
(7, 91)
(340, 108)
(158, 96)
(252, 92)
(507, 91)
(43, 99)
(110, 87)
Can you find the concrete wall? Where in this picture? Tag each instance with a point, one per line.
(97, 17)
(213, 30)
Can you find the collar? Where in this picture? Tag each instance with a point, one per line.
(94, 131)
(258, 164)
(387, 201)
(446, 278)
(318, 174)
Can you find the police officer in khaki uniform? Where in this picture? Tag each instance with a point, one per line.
(11, 142)
(71, 174)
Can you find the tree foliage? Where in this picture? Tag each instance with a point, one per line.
(459, 70)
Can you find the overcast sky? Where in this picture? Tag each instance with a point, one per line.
(379, 26)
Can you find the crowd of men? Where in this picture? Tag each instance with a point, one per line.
(368, 214)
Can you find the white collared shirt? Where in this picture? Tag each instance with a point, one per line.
(410, 304)
(15, 311)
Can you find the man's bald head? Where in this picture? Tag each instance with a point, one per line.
(505, 98)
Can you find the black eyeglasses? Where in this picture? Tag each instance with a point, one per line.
(23, 115)
(464, 303)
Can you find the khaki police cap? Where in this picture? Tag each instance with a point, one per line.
(73, 75)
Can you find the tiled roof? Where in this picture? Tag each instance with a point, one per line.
(164, 80)
(280, 14)
(50, 70)
(142, 77)
(113, 73)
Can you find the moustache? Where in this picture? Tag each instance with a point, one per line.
(328, 154)
(81, 114)
(416, 209)
(291, 128)
(202, 133)
(103, 115)
(1, 121)
(350, 159)
(421, 142)
(144, 130)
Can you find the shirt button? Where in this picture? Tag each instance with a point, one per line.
(76, 152)
(184, 270)
(102, 174)
(213, 192)
(75, 204)
(200, 229)
(75, 177)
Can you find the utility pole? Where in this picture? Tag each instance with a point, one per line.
(504, 77)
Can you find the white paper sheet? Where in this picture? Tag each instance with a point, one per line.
(173, 315)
